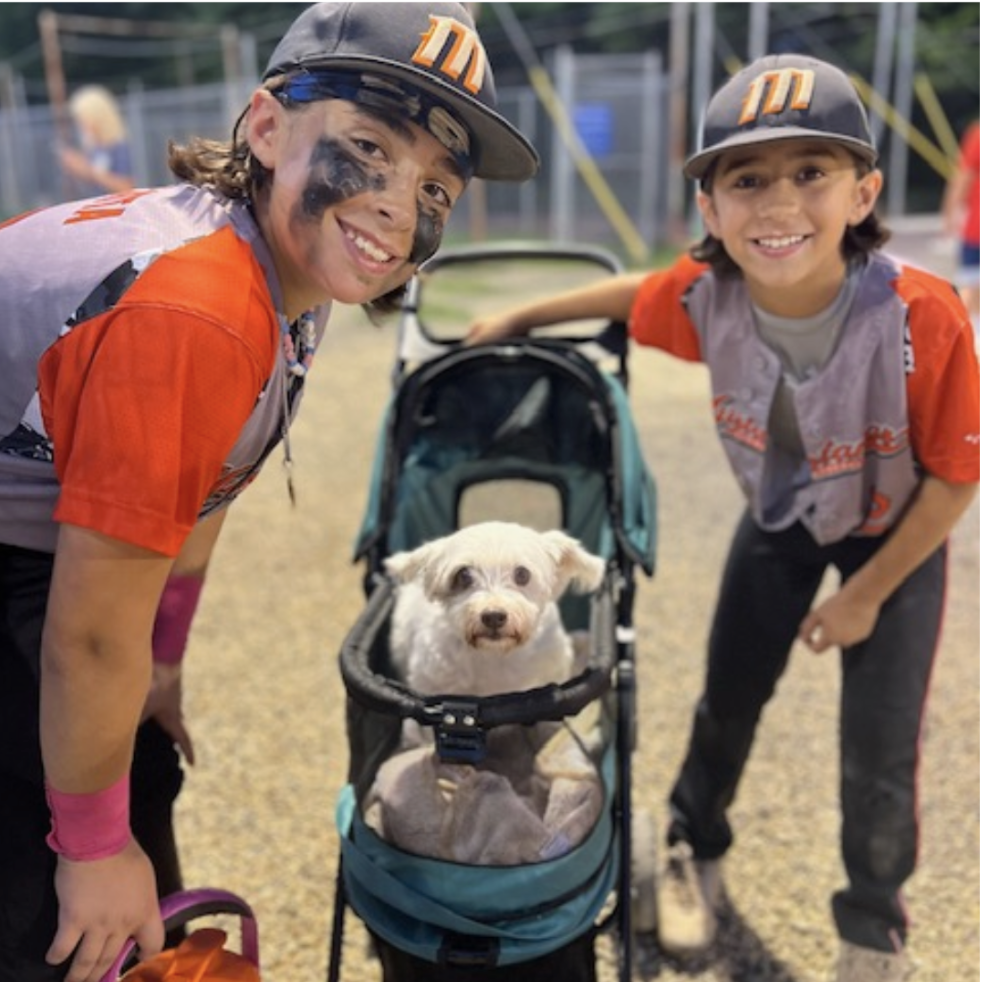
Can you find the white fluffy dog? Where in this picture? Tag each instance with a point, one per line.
(476, 610)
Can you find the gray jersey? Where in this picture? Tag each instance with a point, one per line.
(134, 280)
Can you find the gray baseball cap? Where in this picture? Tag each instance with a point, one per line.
(783, 97)
(430, 48)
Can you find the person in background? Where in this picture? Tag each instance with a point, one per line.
(960, 209)
(102, 163)
(845, 389)
(156, 343)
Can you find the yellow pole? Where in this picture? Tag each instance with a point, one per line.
(917, 140)
(936, 116)
(586, 165)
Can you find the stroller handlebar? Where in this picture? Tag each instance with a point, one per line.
(425, 334)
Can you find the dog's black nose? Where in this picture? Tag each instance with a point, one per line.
(494, 620)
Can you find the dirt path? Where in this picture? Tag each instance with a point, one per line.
(266, 705)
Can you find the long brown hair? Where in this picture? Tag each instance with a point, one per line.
(227, 166)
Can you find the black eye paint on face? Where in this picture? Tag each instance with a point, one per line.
(335, 175)
(429, 233)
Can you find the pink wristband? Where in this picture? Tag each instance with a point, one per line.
(90, 826)
(175, 612)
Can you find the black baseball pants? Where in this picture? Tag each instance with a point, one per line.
(768, 586)
(28, 904)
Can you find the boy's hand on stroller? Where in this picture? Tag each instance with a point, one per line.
(487, 330)
(101, 904)
(164, 704)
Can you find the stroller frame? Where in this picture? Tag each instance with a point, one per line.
(461, 724)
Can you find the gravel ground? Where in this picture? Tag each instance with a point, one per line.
(266, 704)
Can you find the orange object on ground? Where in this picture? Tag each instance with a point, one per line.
(200, 957)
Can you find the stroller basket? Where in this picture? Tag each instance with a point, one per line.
(429, 907)
(426, 907)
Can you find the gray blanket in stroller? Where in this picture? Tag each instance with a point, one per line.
(535, 796)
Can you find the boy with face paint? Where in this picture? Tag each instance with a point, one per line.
(156, 344)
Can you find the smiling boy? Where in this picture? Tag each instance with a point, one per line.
(846, 395)
(779, 209)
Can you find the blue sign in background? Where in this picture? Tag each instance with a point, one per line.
(594, 122)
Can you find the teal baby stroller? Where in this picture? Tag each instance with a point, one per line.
(536, 431)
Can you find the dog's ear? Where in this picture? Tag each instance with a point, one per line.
(406, 566)
(576, 568)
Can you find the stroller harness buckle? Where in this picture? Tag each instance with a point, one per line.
(459, 737)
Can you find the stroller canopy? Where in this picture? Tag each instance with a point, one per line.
(535, 411)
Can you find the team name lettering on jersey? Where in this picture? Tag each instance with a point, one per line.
(774, 92)
(108, 206)
(731, 424)
(466, 51)
(838, 457)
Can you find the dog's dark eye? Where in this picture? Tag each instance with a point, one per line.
(463, 579)
(521, 576)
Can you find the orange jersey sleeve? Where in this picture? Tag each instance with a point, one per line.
(942, 382)
(144, 402)
(658, 316)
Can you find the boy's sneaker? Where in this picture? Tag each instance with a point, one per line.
(688, 890)
(868, 965)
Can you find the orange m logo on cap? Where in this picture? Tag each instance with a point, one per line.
(466, 51)
(774, 92)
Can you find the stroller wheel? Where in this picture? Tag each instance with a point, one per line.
(644, 910)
